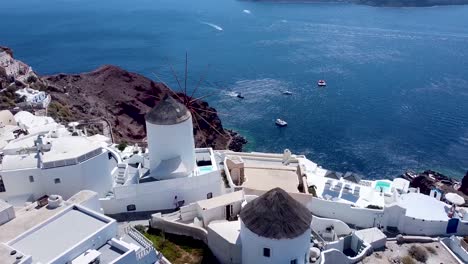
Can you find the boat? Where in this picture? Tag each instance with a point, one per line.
(239, 95)
(281, 122)
(287, 92)
(322, 83)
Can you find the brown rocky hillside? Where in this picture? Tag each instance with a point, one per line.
(124, 98)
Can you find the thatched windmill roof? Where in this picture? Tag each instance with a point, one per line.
(276, 215)
(168, 112)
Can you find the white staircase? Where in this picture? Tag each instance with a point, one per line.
(121, 173)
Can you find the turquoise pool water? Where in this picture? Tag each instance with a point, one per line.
(206, 168)
(382, 185)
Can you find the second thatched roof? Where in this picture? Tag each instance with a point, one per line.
(276, 215)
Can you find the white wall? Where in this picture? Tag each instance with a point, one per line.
(340, 228)
(159, 195)
(281, 251)
(392, 215)
(188, 212)
(224, 251)
(170, 141)
(361, 217)
(93, 174)
(414, 226)
(7, 214)
(218, 213)
(17, 184)
(97, 175)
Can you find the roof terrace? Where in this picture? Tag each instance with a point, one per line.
(262, 171)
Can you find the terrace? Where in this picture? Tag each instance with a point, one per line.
(262, 171)
(340, 190)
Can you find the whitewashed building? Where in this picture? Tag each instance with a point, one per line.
(34, 166)
(34, 97)
(172, 174)
(73, 232)
(275, 228)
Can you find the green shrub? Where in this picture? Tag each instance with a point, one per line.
(122, 146)
(59, 112)
(418, 253)
(140, 228)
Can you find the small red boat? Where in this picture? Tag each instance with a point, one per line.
(322, 83)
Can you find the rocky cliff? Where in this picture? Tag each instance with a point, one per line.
(429, 179)
(124, 98)
(121, 97)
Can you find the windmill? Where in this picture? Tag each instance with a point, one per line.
(200, 111)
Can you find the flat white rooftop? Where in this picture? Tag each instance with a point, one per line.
(421, 206)
(229, 230)
(266, 179)
(56, 237)
(62, 149)
(30, 216)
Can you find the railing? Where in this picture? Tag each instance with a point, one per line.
(73, 161)
(463, 244)
(142, 240)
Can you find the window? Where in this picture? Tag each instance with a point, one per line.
(209, 195)
(57, 180)
(2, 186)
(266, 252)
(131, 207)
(294, 261)
(31, 178)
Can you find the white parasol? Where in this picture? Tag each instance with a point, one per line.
(455, 198)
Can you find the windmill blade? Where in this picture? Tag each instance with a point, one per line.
(199, 129)
(186, 66)
(175, 75)
(202, 97)
(168, 87)
(209, 111)
(199, 82)
(208, 123)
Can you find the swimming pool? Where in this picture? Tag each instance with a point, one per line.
(382, 185)
(205, 169)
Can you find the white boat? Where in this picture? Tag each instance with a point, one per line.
(322, 83)
(287, 92)
(281, 122)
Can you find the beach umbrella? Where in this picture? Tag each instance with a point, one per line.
(454, 198)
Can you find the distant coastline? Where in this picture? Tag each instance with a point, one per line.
(380, 3)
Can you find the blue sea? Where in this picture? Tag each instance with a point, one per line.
(397, 94)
